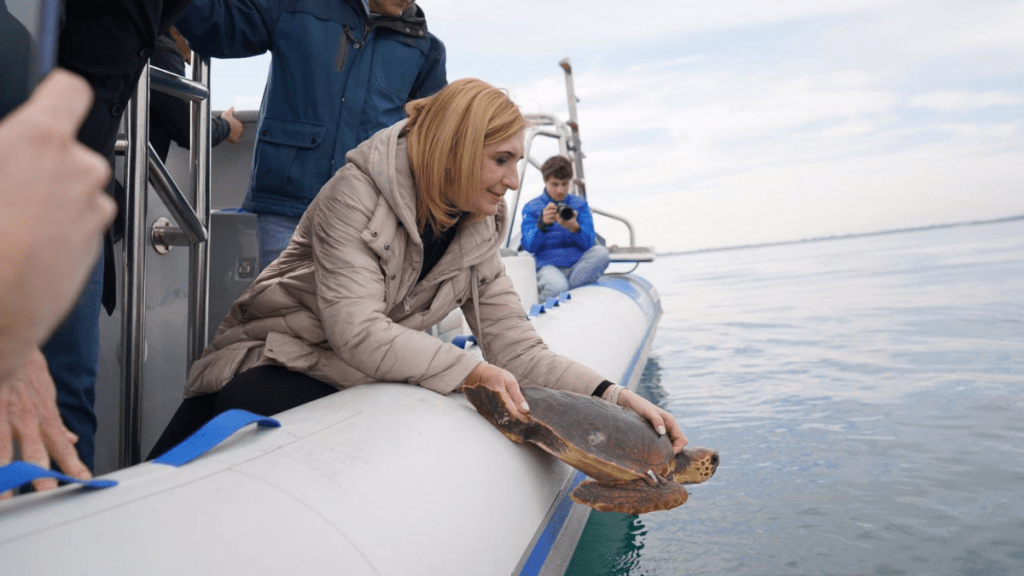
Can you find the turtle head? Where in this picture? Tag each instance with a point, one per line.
(695, 465)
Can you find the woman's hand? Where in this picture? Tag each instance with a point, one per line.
(504, 383)
(661, 420)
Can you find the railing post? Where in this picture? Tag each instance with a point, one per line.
(199, 253)
(133, 299)
(579, 181)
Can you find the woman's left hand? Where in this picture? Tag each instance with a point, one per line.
(662, 421)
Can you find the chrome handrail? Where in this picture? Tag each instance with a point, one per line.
(629, 225)
(199, 253)
(193, 230)
(142, 165)
(568, 135)
(133, 298)
(178, 86)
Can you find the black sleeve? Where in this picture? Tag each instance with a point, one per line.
(219, 130)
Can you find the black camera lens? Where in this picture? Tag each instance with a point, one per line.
(565, 212)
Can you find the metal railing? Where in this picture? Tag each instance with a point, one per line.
(192, 222)
(567, 135)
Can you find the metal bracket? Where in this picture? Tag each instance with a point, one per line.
(165, 235)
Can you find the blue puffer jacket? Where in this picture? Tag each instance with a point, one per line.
(556, 245)
(337, 76)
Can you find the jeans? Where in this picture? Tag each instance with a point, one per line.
(273, 233)
(553, 280)
(72, 354)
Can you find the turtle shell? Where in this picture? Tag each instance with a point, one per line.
(605, 441)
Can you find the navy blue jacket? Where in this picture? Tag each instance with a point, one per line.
(337, 76)
(555, 245)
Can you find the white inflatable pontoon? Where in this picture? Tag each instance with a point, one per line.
(386, 479)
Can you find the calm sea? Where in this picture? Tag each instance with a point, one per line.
(867, 398)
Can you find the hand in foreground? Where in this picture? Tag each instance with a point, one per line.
(503, 382)
(237, 128)
(662, 421)
(29, 417)
(55, 210)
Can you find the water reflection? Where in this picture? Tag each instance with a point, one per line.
(610, 545)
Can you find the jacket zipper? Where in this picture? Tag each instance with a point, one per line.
(342, 57)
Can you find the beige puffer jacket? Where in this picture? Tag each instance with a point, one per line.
(342, 303)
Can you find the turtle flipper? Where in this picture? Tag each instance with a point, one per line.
(635, 497)
(492, 406)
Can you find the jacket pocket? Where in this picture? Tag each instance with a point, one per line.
(288, 157)
(395, 66)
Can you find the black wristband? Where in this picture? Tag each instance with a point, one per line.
(541, 225)
(599, 391)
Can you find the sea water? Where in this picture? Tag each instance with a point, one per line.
(866, 395)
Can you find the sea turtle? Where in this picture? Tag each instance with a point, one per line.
(633, 469)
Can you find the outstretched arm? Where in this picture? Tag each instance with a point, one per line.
(229, 28)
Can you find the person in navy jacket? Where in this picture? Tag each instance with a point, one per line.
(558, 230)
(341, 70)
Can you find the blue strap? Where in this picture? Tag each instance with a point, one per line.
(461, 341)
(212, 433)
(19, 473)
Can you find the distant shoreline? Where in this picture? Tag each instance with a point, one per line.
(843, 236)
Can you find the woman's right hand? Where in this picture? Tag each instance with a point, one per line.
(504, 383)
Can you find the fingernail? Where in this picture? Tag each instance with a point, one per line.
(661, 430)
(524, 407)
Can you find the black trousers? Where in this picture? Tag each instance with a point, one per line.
(264, 390)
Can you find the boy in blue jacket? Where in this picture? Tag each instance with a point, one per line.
(558, 230)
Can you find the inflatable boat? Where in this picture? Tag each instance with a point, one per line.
(380, 479)
(377, 479)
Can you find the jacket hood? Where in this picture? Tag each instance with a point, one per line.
(384, 158)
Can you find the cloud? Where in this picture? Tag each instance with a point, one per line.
(712, 124)
(535, 25)
(949, 100)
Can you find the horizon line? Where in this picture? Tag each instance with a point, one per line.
(842, 236)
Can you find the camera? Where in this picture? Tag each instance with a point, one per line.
(565, 212)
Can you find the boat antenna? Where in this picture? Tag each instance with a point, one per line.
(574, 145)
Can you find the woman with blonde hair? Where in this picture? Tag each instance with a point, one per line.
(407, 231)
